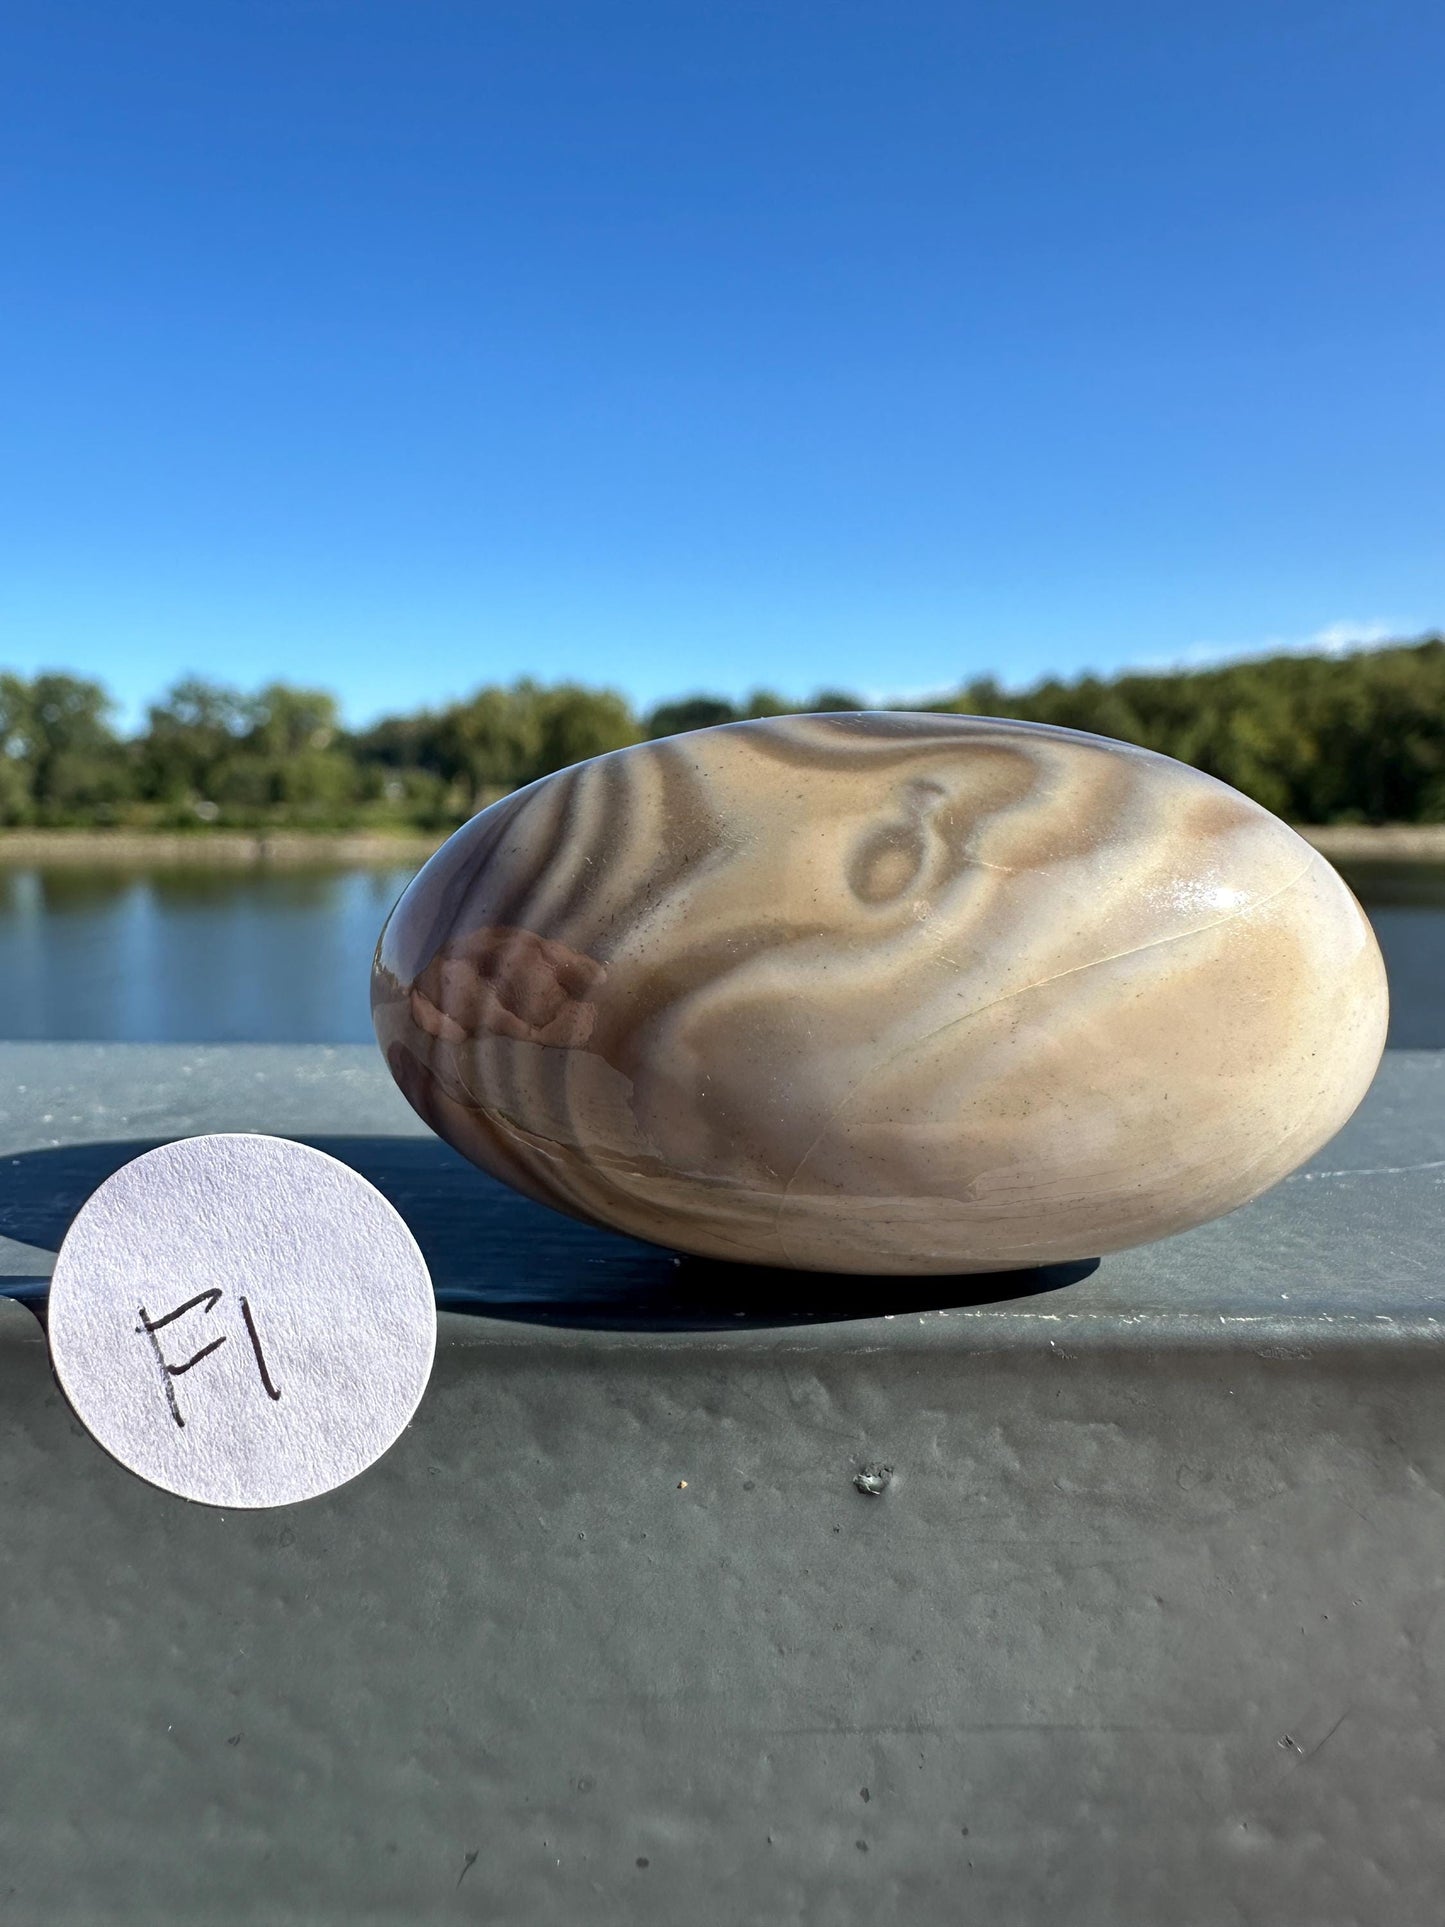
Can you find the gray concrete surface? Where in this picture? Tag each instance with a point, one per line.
(1146, 1627)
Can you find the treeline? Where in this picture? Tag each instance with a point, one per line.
(1358, 738)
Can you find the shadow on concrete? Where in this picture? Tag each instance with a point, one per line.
(494, 1252)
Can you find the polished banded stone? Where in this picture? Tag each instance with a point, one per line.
(898, 993)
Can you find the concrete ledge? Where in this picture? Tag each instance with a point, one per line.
(1351, 1241)
(1145, 1628)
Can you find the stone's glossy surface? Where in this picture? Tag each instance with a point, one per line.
(882, 993)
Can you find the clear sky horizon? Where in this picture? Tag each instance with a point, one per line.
(400, 347)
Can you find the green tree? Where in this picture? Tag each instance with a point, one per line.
(16, 775)
(192, 734)
(575, 723)
(766, 702)
(283, 721)
(1358, 737)
(68, 762)
(690, 712)
(492, 741)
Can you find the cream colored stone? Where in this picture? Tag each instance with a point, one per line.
(894, 993)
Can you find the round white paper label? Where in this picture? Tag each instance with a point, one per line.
(242, 1320)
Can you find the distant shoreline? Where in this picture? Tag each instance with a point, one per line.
(1377, 842)
(218, 849)
(373, 849)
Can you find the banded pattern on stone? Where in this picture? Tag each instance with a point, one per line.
(899, 993)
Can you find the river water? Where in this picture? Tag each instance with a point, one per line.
(259, 955)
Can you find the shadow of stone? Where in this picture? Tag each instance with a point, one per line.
(496, 1253)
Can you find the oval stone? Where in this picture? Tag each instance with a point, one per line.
(882, 993)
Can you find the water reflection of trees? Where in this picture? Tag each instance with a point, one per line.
(66, 889)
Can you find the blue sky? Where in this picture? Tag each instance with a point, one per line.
(700, 344)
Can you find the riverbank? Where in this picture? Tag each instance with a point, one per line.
(374, 849)
(215, 849)
(1379, 843)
